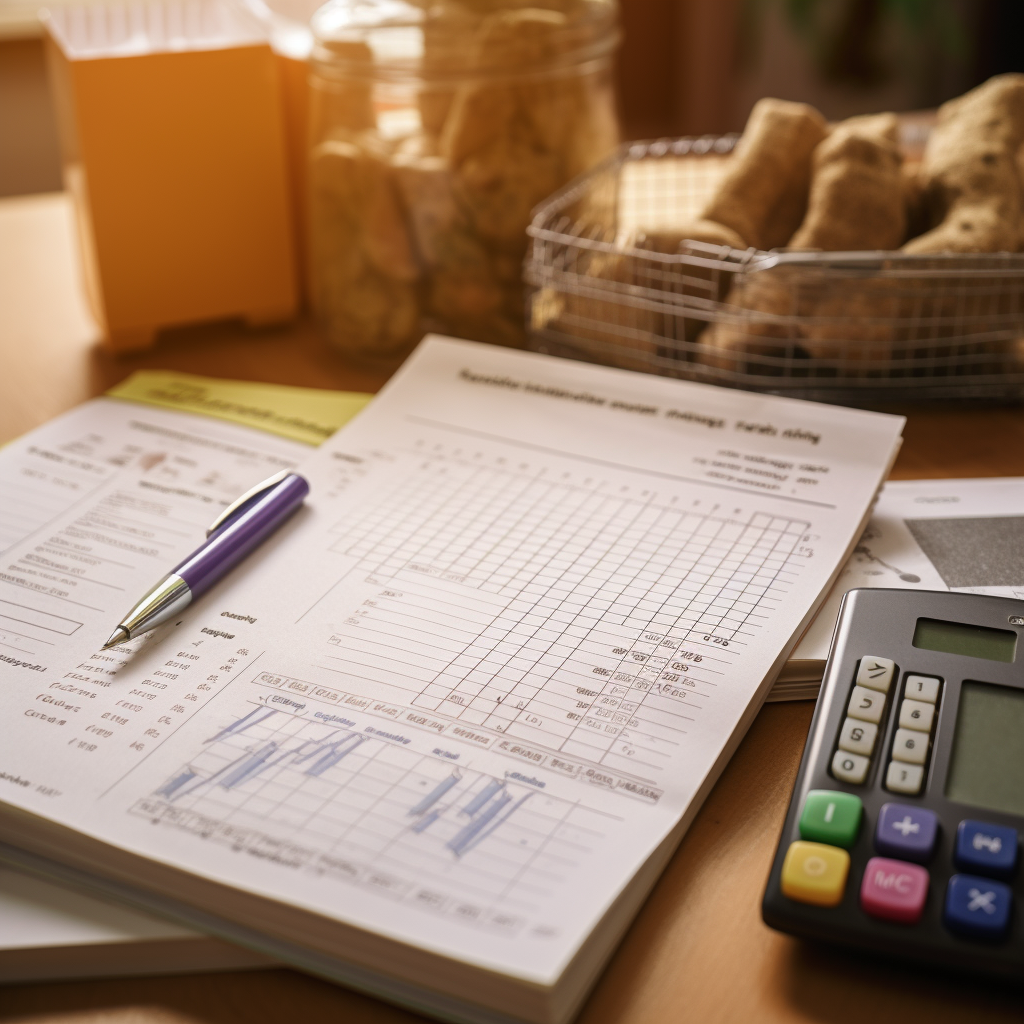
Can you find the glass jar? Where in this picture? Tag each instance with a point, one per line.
(436, 127)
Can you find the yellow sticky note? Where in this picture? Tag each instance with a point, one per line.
(300, 414)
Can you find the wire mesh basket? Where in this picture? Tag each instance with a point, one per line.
(612, 280)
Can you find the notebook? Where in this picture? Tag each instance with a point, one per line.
(438, 739)
(47, 930)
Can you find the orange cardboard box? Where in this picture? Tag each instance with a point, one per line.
(173, 137)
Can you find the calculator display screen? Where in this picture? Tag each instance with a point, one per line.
(959, 638)
(988, 749)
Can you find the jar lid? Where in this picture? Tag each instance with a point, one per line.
(442, 39)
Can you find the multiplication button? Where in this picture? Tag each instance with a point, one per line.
(977, 908)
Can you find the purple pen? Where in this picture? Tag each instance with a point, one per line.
(240, 528)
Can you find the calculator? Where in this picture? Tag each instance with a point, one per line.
(903, 832)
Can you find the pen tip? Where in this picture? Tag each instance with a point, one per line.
(119, 636)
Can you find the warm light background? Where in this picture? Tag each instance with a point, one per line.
(686, 67)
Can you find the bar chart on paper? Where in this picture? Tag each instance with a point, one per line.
(315, 796)
(590, 617)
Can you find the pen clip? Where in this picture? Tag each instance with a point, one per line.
(254, 492)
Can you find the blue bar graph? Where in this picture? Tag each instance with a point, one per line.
(247, 767)
(483, 796)
(334, 754)
(254, 717)
(450, 808)
(464, 839)
(435, 794)
(426, 821)
(175, 782)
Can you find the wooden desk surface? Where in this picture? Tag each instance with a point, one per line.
(698, 951)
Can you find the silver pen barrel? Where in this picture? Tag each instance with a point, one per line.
(165, 600)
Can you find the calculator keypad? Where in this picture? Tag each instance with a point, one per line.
(852, 759)
(912, 743)
(895, 884)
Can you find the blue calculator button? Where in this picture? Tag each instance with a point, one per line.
(977, 908)
(986, 848)
(906, 832)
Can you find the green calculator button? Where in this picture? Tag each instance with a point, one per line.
(831, 817)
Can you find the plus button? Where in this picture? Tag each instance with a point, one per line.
(905, 832)
(907, 827)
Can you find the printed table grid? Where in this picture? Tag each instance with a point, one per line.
(587, 620)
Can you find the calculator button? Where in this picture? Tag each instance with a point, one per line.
(906, 831)
(910, 747)
(917, 714)
(831, 817)
(875, 673)
(904, 778)
(894, 890)
(865, 704)
(857, 737)
(815, 873)
(924, 688)
(852, 768)
(977, 908)
(986, 848)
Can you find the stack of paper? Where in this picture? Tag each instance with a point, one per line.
(960, 535)
(438, 739)
(48, 930)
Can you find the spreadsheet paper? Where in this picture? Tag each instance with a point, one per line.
(464, 695)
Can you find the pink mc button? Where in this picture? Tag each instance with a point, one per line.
(894, 890)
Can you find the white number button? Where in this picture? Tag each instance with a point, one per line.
(857, 737)
(916, 714)
(867, 705)
(904, 778)
(910, 747)
(849, 767)
(924, 688)
(875, 673)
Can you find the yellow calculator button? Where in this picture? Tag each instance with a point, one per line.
(815, 873)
